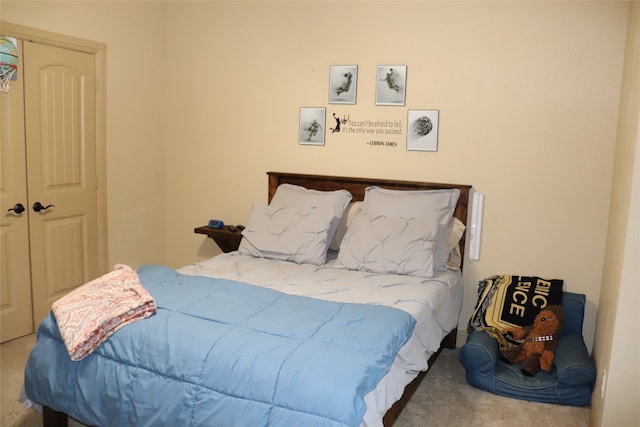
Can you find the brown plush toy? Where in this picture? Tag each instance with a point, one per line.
(537, 351)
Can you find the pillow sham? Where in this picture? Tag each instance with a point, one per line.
(438, 205)
(302, 198)
(455, 234)
(352, 210)
(394, 245)
(287, 233)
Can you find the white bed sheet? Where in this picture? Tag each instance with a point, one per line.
(435, 303)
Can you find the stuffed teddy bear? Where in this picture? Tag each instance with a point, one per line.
(539, 341)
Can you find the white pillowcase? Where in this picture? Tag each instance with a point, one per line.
(437, 205)
(392, 245)
(295, 196)
(287, 233)
(455, 234)
(349, 214)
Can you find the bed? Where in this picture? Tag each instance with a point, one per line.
(413, 305)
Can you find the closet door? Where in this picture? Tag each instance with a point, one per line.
(16, 317)
(60, 107)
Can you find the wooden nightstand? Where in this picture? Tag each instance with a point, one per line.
(227, 240)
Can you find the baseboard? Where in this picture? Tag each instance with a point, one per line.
(461, 337)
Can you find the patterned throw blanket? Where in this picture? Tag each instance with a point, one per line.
(91, 313)
(506, 301)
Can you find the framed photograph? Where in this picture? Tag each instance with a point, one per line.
(312, 125)
(343, 84)
(422, 130)
(391, 84)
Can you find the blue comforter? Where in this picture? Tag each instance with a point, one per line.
(223, 353)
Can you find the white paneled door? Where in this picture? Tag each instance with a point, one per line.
(59, 157)
(16, 317)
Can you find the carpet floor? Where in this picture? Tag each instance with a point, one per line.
(444, 399)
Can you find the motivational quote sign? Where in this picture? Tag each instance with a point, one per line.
(379, 133)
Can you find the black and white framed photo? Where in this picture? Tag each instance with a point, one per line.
(391, 84)
(343, 82)
(422, 130)
(312, 125)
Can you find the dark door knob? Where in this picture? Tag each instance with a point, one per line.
(37, 206)
(17, 208)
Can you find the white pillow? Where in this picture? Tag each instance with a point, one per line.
(287, 233)
(352, 210)
(392, 245)
(437, 205)
(455, 234)
(295, 196)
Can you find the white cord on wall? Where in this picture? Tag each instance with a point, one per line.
(476, 226)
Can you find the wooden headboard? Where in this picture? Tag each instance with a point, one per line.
(356, 187)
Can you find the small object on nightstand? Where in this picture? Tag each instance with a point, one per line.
(215, 223)
(240, 227)
(233, 228)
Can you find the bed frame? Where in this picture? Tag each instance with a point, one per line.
(356, 187)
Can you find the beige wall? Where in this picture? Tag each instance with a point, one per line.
(528, 95)
(616, 331)
(203, 99)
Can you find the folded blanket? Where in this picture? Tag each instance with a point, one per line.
(506, 301)
(91, 313)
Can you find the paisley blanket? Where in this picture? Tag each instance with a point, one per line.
(91, 313)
